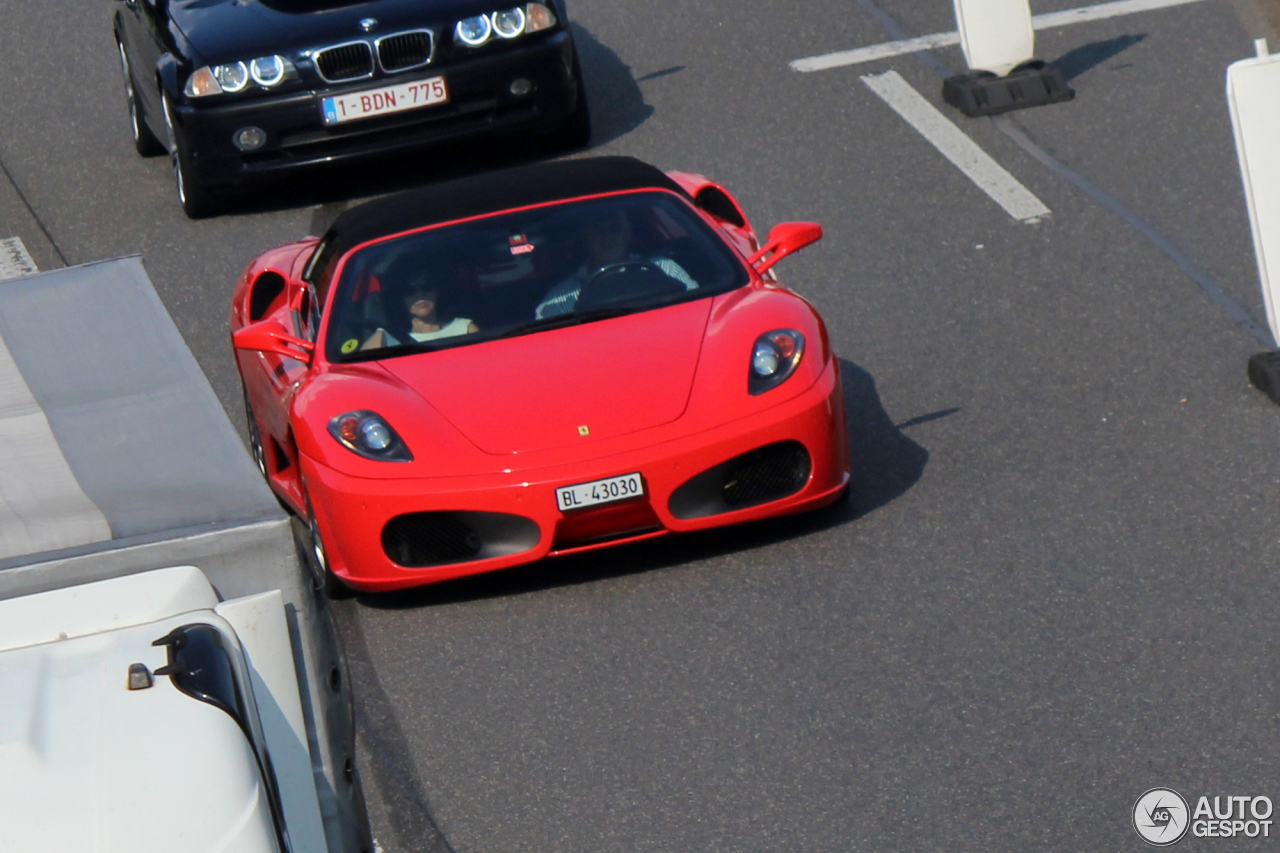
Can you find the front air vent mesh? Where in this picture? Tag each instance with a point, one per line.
(405, 50)
(345, 62)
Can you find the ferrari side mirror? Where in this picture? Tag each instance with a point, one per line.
(784, 239)
(270, 336)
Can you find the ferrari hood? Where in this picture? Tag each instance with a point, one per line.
(565, 386)
(223, 30)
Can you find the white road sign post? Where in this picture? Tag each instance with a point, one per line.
(995, 35)
(1252, 86)
(999, 44)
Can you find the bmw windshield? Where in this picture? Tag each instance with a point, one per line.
(525, 272)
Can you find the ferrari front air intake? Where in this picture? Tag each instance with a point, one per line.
(765, 474)
(421, 539)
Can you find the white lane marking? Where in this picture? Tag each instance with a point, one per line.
(15, 260)
(1004, 189)
(42, 507)
(930, 42)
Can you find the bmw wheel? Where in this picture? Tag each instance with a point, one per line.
(197, 201)
(144, 141)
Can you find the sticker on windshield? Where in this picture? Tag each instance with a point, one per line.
(520, 244)
(349, 346)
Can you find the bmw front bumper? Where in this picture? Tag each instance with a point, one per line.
(480, 104)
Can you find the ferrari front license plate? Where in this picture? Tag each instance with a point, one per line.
(391, 99)
(600, 492)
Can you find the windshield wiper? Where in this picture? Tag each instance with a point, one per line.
(561, 320)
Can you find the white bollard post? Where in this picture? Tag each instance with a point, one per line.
(999, 44)
(1252, 85)
(995, 35)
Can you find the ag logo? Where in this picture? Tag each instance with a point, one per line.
(1160, 816)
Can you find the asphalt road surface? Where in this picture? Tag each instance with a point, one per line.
(1055, 585)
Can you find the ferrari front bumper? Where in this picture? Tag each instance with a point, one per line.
(512, 517)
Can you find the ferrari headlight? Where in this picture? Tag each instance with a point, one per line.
(233, 77)
(474, 31)
(538, 17)
(509, 23)
(774, 358)
(367, 434)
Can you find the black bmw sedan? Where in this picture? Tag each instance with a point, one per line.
(241, 90)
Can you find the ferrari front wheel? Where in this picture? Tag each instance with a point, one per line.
(318, 558)
(255, 436)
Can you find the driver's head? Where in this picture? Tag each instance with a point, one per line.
(609, 237)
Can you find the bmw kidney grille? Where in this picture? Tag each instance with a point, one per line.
(405, 50)
(349, 61)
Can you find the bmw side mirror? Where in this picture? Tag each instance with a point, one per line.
(784, 239)
(270, 336)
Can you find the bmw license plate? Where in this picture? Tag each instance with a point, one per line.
(600, 492)
(389, 99)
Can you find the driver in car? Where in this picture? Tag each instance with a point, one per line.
(608, 239)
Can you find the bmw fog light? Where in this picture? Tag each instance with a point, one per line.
(521, 87)
(249, 138)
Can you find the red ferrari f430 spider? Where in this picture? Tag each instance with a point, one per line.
(534, 362)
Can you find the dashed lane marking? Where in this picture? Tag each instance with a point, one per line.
(15, 260)
(1047, 21)
(992, 178)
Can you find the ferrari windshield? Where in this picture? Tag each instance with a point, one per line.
(526, 272)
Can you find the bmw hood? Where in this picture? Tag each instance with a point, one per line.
(565, 387)
(226, 30)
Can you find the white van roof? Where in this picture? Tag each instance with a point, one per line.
(90, 765)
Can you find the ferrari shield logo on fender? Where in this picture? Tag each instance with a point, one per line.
(584, 430)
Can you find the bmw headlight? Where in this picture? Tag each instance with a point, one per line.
(774, 357)
(232, 78)
(267, 71)
(474, 31)
(370, 436)
(509, 23)
(505, 24)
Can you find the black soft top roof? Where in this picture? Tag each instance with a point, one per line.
(493, 192)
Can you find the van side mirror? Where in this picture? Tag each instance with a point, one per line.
(784, 239)
(270, 336)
